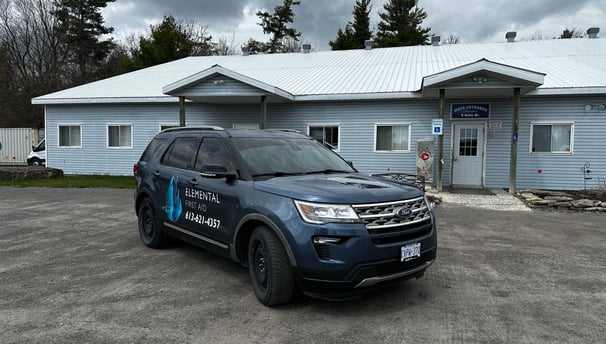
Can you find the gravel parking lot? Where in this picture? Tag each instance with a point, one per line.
(73, 270)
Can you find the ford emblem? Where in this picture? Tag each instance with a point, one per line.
(403, 212)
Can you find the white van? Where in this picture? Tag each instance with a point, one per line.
(37, 157)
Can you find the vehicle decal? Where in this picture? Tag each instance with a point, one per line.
(173, 201)
(197, 204)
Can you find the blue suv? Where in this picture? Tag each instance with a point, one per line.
(285, 206)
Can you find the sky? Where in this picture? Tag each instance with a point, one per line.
(473, 21)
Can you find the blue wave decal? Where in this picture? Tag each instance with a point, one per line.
(173, 201)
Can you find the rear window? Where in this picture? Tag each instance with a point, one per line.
(151, 149)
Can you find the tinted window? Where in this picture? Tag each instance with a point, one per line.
(152, 147)
(182, 153)
(211, 152)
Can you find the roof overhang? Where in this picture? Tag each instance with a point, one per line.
(222, 92)
(482, 78)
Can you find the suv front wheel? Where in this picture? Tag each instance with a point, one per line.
(269, 268)
(149, 229)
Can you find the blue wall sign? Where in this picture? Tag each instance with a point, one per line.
(470, 111)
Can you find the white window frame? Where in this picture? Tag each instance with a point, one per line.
(324, 125)
(172, 125)
(393, 124)
(530, 144)
(59, 125)
(245, 125)
(130, 146)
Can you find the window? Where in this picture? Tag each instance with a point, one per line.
(392, 137)
(151, 149)
(70, 135)
(325, 134)
(211, 154)
(468, 142)
(551, 137)
(119, 136)
(182, 153)
(168, 126)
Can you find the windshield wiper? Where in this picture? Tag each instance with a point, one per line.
(327, 171)
(277, 174)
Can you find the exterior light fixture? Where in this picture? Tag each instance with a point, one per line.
(479, 80)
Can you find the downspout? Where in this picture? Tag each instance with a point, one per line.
(513, 162)
(441, 142)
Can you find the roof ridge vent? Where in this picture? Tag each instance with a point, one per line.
(245, 51)
(435, 41)
(511, 36)
(592, 32)
(368, 44)
(306, 48)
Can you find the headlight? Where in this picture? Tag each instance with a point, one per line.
(319, 213)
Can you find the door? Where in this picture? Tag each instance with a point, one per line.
(468, 154)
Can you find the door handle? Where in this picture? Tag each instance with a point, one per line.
(193, 181)
(156, 173)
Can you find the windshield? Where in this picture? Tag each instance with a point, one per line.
(281, 156)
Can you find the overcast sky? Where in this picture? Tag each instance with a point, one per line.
(473, 21)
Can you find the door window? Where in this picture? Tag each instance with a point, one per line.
(468, 142)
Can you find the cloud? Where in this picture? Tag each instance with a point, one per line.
(474, 21)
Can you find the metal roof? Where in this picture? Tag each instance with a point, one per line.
(571, 66)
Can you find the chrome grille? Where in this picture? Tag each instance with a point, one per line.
(396, 221)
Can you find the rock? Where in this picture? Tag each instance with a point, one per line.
(583, 203)
(559, 198)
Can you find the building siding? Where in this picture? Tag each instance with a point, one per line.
(357, 125)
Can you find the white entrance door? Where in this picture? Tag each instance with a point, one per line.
(468, 154)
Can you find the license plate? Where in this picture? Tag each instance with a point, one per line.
(410, 251)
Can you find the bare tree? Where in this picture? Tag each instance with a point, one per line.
(31, 46)
(452, 39)
(226, 46)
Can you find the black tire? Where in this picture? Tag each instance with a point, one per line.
(269, 268)
(149, 228)
(36, 162)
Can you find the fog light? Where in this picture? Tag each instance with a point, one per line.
(326, 240)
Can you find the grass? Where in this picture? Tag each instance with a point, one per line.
(74, 181)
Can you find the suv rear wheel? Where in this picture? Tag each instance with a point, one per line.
(149, 229)
(269, 268)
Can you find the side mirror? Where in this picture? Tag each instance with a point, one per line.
(218, 171)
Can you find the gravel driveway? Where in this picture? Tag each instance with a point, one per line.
(73, 270)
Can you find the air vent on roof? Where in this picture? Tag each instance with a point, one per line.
(245, 51)
(306, 48)
(592, 32)
(435, 40)
(368, 44)
(511, 36)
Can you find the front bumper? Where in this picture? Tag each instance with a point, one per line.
(366, 277)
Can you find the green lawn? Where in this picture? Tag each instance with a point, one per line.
(127, 182)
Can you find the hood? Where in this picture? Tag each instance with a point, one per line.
(345, 188)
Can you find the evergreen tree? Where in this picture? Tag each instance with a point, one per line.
(275, 24)
(170, 40)
(571, 33)
(400, 24)
(357, 32)
(80, 26)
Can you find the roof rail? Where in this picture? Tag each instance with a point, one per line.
(192, 128)
(284, 130)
